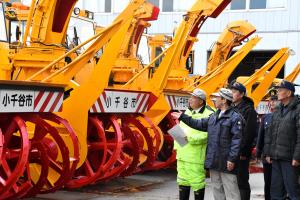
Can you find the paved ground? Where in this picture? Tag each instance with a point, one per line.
(157, 185)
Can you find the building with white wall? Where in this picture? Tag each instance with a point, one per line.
(276, 21)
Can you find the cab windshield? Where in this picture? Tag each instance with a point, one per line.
(80, 30)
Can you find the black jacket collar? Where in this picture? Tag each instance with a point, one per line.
(246, 102)
(292, 105)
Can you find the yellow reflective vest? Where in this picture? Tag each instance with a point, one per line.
(194, 151)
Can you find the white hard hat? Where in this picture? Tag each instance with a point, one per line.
(199, 93)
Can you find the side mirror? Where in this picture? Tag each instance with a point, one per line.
(76, 11)
(18, 33)
(76, 38)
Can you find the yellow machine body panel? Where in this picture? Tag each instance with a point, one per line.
(181, 44)
(50, 21)
(46, 25)
(179, 79)
(294, 74)
(259, 83)
(183, 41)
(213, 82)
(231, 37)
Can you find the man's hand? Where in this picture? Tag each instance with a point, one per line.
(268, 159)
(186, 138)
(295, 163)
(230, 166)
(176, 115)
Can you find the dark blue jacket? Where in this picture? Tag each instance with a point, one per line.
(264, 125)
(224, 137)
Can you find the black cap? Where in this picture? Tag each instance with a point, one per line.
(273, 94)
(287, 85)
(238, 86)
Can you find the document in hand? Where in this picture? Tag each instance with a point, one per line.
(178, 135)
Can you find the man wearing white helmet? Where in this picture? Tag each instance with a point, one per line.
(191, 157)
(224, 129)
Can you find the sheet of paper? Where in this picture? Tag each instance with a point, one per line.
(178, 135)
